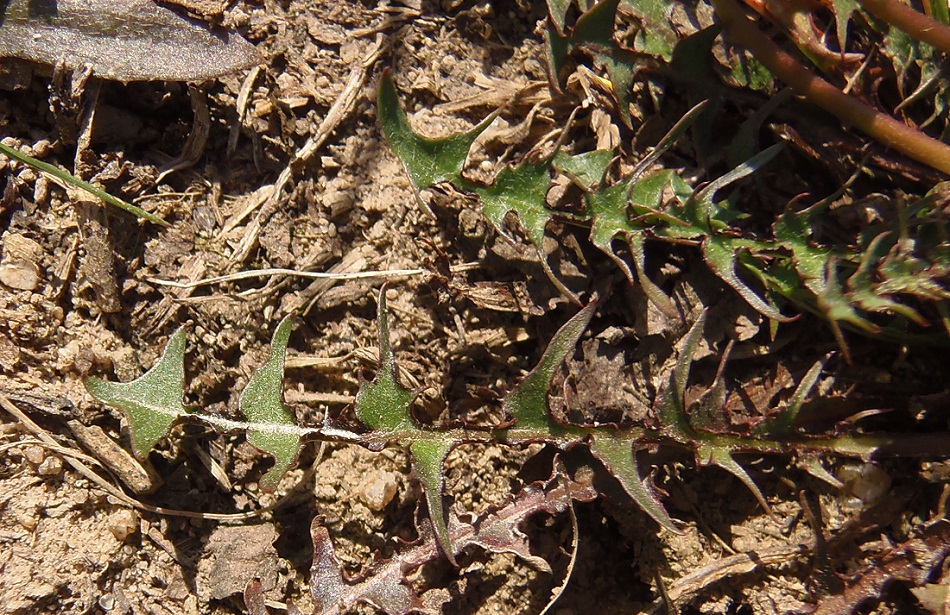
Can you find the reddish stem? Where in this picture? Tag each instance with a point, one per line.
(881, 126)
(916, 24)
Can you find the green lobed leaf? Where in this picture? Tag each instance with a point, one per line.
(152, 402)
(383, 404)
(618, 457)
(721, 255)
(721, 251)
(261, 403)
(611, 210)
(520, 190)
(585, 170)
(843, 10)
(556, 48)
(427, 459)
(596, 25)
(427, 161)
(557, 11)
(527, 402)
(657, 35)
(871, 296)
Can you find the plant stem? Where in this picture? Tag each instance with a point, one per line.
(880, 126)
(69, 178)
(916, 24)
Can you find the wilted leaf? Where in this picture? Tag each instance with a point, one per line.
(914, 561)
(254, 598)
(125, 40)
(384, 584)
(332, 593)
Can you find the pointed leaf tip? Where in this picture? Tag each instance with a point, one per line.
(723, 458)
(383, 404)
(427, 161)
(618, 457)
(151, 402)
(427, 459)
(671, 406)
(271, 421)
(527, 402)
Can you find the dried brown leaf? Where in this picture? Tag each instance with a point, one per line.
(385, 584)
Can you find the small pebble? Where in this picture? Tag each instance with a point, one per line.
(864, 481)
(378, 490)
(34, 454)
(28, 521)
(107, 602)
(20, 275)
(51, 466)
(123, 524)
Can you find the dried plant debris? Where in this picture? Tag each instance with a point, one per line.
(913, 562)
(152, 404)
(123, 40)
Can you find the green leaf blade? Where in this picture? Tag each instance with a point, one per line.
(428, 457)
(527, 402)
(153, 401)
(427, 161)
(618, 457)
(722, 457)
(520, 190)
(261, 403)
(383, 404)
(71, 179)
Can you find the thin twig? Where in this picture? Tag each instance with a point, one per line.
(335, 116)
(880, 126)
(916, 24)
(108, 487)
(315, 275)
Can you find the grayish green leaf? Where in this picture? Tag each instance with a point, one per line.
(261, 404)
(152, 402)
(383, 404)
(124, 40)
